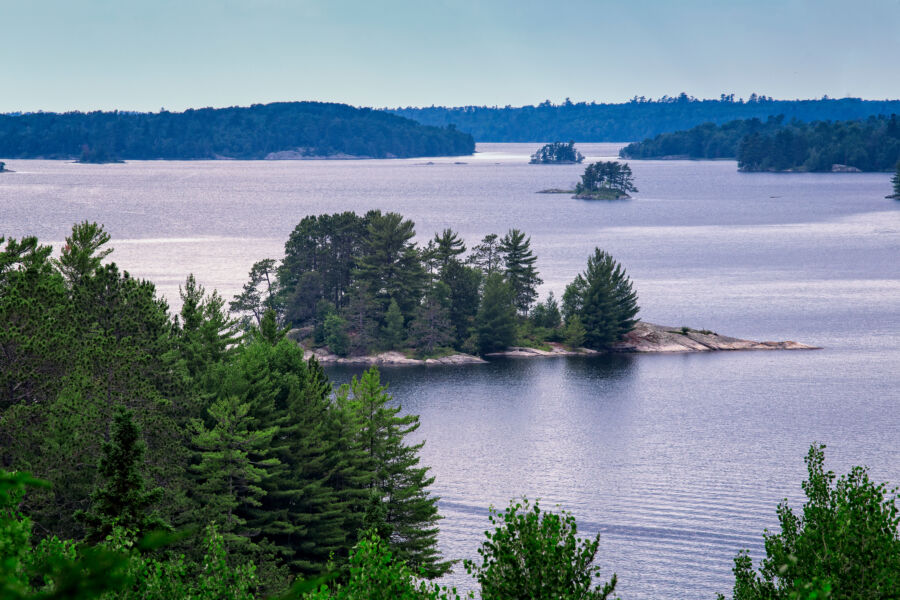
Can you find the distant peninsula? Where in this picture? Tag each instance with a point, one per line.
(777, 145)
(278, 130)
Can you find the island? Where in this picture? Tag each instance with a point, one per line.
(604, 180)
(358, 289)
(97, 156)
(557, 153)
(299, 129)
(3, 167)
(895, 180)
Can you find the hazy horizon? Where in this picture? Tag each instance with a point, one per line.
(142, 56)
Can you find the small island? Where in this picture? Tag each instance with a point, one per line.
(604, 180)
(3, 167)
(97, 156)
(557, 153)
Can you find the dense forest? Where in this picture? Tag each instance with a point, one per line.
(635, 120)
(360, 285)
(872, 144)
(306, 128)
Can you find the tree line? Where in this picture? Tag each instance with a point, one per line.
(845, 544)
(361, 284)
(872, 144)
(311, 128)
(638, 119)
(142, 422)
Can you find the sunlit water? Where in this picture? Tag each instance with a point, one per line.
(679, 461)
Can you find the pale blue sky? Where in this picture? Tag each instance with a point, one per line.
(138, 55)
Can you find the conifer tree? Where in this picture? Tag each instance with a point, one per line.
(464, 283)
(392, 332)
(232, 464)
(496, 319)
(896, 181)
(431, 326)
(447, 247)
(206, 334)
(391, 266)
(487, 255)
(81, 254)
(518, 260)
(121, 498)
(260, 293)
(603, 300)
(409, 511)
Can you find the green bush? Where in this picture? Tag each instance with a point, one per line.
(537, 555)
(844, 544)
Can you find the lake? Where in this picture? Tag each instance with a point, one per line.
(678, 460)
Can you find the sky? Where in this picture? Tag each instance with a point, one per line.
(58, 55)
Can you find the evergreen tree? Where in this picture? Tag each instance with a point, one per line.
(496, 319)
(431, 326)
(260, 293)
(390, 265)
(233, 462)
(547, 314)
(393, 332)
(520, 271)
(464, 285)
(121, 498)
(206, 334)
(487, 255)
(447, 247)
(81, 254)
(409, 511)
(603, 300)
(574, 333)
(361, 314)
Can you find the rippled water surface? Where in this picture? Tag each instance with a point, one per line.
(679, 461)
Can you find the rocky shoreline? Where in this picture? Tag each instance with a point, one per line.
(645, 338)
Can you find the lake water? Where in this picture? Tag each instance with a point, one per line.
(679, 461)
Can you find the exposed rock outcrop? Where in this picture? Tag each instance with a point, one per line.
(647, 337)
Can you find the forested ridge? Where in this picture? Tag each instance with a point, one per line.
(872, 144)
(311, 128)
(637, 119)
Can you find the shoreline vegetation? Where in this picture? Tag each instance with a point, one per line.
(557, 153)
(311, 129)
(604, 180)
(780, 146)
(645, 338)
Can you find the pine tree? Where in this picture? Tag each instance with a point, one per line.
(391, 266)
(206, 334)
(431, 326)
(496, 319)
(121, 498)
(393, 332)
(409, 511)
(260, 293)
(447, 247)
(520, 271)
(361, 315)
(81, 254)
(233, 462)
(603, 300)
(487, 255)
(465, 284)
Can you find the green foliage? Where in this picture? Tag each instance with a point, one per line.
(431, 327)
(260, 293)
(547, 314)
(464, 285)
(487, 255)
(81, 254)
(313, 128)
(376, 575)
(603, 300)
(606, 175)
(336, 337)
(448, 247)
(846, 543)
(496, 319)
(574, 332)
(557, 152)
(537, 555)
(121, 500)
(233, 462)
(392, 333)
(872, 144)
(409, 512)
(521, 274)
